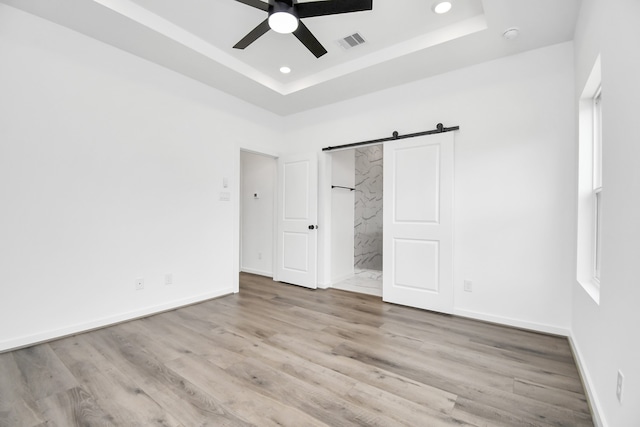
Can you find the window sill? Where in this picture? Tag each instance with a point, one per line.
(592, 288)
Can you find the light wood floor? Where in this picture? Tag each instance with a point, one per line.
(278, 354)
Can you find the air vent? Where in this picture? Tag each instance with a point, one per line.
(353, 40)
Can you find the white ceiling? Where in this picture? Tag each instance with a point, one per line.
(406, 41)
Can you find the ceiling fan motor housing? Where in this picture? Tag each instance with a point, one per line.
(285, 6)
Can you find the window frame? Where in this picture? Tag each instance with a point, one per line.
(590, 193)
(597, 184)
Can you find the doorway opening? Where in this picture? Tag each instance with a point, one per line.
(357, 207)
(257, 213)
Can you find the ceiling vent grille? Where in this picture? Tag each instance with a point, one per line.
(353, 40)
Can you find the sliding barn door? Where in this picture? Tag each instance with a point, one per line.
(296, 243)
(418, 222)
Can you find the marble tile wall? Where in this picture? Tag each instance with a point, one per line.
(368, 208)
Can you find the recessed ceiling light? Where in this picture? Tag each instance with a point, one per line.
(285, 70)
(442, 7)
(511, 33)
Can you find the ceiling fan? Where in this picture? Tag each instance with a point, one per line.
(284, 17)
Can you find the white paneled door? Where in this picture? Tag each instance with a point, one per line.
(296, 243)
(418, 222)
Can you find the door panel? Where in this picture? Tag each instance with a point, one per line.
(296, 187)
(418, 222)
(295, 251)
(417, 169)
(296, 244)
(409, 253)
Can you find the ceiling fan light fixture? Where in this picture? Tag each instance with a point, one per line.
(282, 18)
(286, 16)
(283, 22)
(442, 7)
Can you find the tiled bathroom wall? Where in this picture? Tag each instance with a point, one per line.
(368, 208)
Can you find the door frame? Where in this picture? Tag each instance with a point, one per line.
(324, 213)
(237, 209)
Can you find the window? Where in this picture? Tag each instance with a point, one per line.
(590, 195)
(597, 184)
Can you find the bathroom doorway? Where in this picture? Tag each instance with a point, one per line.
(357, 207)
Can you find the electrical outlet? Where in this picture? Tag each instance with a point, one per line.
(139, 284)
(168, 279)
(619, 386)
(468, 286)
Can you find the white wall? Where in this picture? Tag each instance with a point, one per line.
(258, 175)
(514, 179)
(110, 170)
(342, 215)
(605, 335)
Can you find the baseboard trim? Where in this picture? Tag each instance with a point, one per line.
(507, 321)
(257, 272)
(39, 338)
(323, 285)
(592, 397)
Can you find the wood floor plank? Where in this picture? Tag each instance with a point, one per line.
(182, 398)
(526, 361)
(113, 391)
(289, 363)
(528, 410)
(575, 401)
(284, 313)
(446, 375)
(408, 388)
(43, 373)
(333, 310)
(283, 355)
(17, 405)
(467, 356)
(483, 415)
(247, 403)
(403, 411)
(318, 402)
(480, 361)
(546, 346)
(388, 402)
(74, 408)
(164, 329)
(156, 341)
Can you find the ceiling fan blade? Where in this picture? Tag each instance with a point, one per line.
(320, 8)
(255, 3)
(262, 28)
(304, 35)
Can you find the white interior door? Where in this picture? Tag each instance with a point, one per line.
(418, 222)
(296, 243)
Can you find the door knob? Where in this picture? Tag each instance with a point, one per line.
(313, 227)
